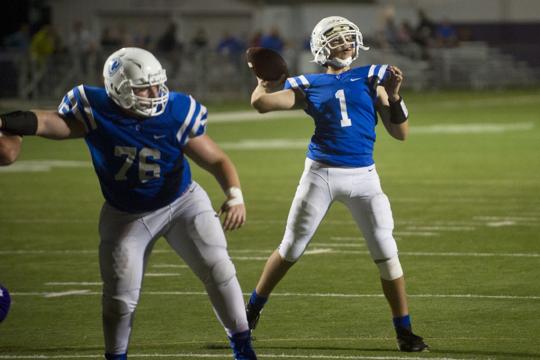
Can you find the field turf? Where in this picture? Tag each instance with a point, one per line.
(465, 193)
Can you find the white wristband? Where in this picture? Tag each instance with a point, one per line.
(235, 196)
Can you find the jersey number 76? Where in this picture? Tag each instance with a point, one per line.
(147, 170)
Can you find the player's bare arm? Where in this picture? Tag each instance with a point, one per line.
(389, 105)
(45, 123)
(208, 155)
(268, 96)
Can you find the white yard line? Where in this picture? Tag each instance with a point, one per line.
(170, 266)
(43, 165)
(161, 274)
(453, 254)
(72, 283)
(350, 245)
(250, 258)
(66, 293)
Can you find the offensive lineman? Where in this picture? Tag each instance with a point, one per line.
(137, 133)
(343, 103)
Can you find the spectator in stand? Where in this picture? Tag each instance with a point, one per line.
(198, 48)
(170, 49)
(424, 33)
(141, 38)
(199, 42)
(405, 32)
(231, 48)
(446, 34)
(273, 40)
(390, 33)
(82, 47)
(44, 43)
(19, 41)
(110, 39)
(405, 44)
(255, 39)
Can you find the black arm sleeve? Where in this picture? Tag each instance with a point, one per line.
(398, 111)
(19, 122)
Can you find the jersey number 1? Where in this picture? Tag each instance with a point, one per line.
(147, 170)
(345, 120)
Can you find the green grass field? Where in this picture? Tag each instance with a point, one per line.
(465, 192)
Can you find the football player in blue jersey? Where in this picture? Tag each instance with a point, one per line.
(138, 133)
(343, 103)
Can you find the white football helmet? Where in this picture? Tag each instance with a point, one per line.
(330, 33)
(130, 68)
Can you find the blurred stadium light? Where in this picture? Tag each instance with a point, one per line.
(469, 43)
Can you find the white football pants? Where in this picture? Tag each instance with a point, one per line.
(193, 230)
(359, 189)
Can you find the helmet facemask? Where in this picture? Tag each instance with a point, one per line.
(151, 106)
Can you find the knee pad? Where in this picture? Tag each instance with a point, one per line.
(390, 269)
(222, 272)
(206, 231)
(120, 304)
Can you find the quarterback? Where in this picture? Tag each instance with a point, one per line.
(138, 134)
(343, 103)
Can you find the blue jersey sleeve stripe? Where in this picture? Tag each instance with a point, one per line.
(304, 81)
(199, 121)
(202, 127)
(63, 107)
(75, 110)
(381, 73)
(294, 83)
(187, 119)
(187, 131)
(80, 107)
(68, 107)
(87, 108)
(371, 71)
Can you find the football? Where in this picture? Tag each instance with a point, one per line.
(5, 302)
(267, 64)
(10, 147)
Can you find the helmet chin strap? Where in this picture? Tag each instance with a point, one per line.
(340, 63)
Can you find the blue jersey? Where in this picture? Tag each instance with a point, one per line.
(343, 108)
(140, 163)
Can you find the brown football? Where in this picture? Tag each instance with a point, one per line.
(266, 63)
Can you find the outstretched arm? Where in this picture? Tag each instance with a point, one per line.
(268, 96)
(44, 123)
(391, 107)
(208, 155)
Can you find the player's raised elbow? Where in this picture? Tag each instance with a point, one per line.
(260, 106)
(400, 136)
(400, 131)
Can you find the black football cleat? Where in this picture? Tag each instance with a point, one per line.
(252, 316)
(409, 342)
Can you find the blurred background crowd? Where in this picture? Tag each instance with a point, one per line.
(49, 46)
